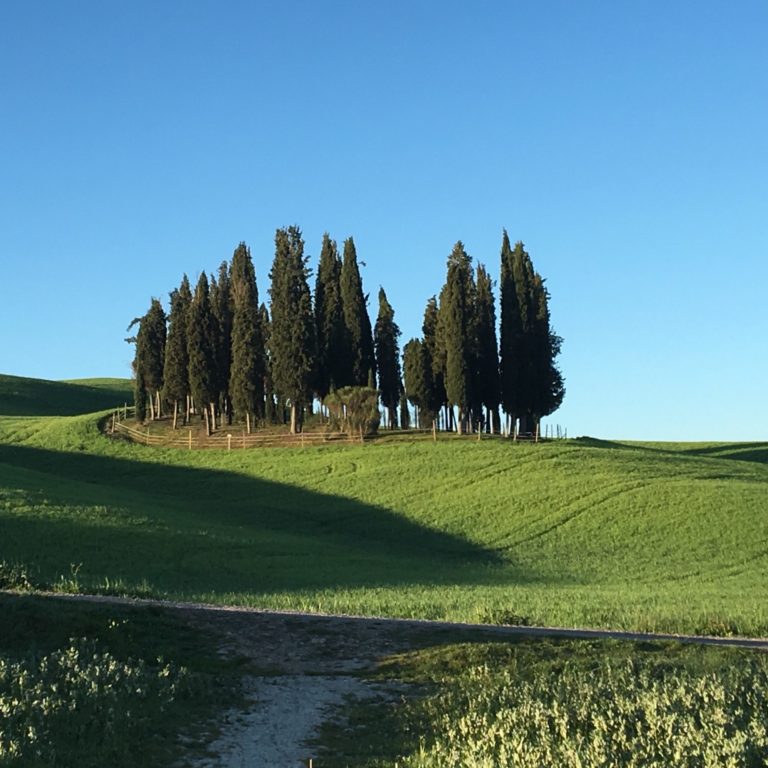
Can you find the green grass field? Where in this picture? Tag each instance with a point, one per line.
(582, 532)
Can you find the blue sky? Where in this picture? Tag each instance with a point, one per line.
(626, 144)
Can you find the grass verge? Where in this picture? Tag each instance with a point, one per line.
(591, 704)
(95, 685)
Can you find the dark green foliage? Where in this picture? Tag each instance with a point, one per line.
(247, 372)
(292, 336)
(419, 382)
(176, 366)
(531, 384)
(486, 386)
(223, 309)
(516, 274)
(550, 387)
(270, 412)
(405, 415)
(386, 334)
(358, 324)
(457, 325)
(150, 354)
(333, 347)
(201, 340)
(435, 353)
(140, 398)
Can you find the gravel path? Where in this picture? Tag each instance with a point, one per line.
(306, 665)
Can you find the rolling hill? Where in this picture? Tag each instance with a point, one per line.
(579, 532)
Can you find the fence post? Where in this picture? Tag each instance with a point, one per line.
(190, 439)
(229, 442)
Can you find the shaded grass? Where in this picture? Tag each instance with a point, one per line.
(132, 679)
(21, 396)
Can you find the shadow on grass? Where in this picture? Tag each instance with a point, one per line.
(756, 453)
(36, 397)
(191, 530)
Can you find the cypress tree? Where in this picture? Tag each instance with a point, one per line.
(360, 339)
(514, 327)
(201, 341)
(457, 322)
(270, 410)
(222, 307)
(434, 354)
(292, 338)
(549, 389)
(176, 366)
(150, 354)
(246, 382)
(139, 395)
(419, 382)
(405, 415)
(386, 334)
(486, 385)
(333, 349)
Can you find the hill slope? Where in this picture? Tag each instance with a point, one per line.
(576, 533)
(37, 397)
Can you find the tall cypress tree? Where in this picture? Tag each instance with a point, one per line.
(486, 385)
(222, 307)
(386, 334)
(292, 337)
(457, 320)
(419, 382)
(549, 389)
(176, 366)
(333, 349)
(270, 410)
(201, 340)
(356, 320)
(435, 354)
(150, 354)
(246, 382)
(514, 327)
(531, 384)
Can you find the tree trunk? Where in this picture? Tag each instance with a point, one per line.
(157, 398)
(213, 417)
(207, 422)
(175, 412)
(248, 422)
(294, 419)
(187, 411)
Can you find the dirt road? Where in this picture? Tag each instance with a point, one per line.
(305, 665)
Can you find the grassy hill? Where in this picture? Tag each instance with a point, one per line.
(37, 397)
(576, 533)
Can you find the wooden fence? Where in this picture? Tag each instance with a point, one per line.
(233, 439)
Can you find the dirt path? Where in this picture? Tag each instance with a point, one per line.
(302, 666)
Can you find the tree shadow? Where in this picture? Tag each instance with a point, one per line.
(192, 530)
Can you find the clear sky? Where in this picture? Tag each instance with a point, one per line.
(626, 144)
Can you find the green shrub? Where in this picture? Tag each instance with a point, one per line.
(81, 706)
(628, 715)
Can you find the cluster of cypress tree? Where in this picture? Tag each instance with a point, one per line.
(221, 354)
(456, 372)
